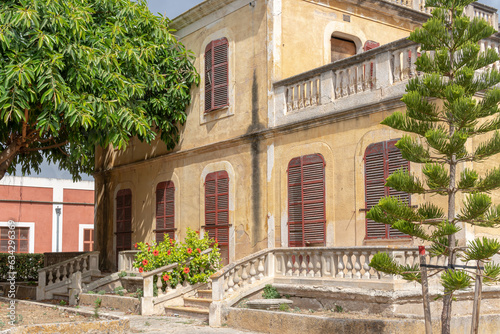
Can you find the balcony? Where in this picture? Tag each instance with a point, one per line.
(353, 86)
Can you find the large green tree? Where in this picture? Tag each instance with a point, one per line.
(448, 127)
(79, 73)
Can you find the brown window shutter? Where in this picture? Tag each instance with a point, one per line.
(88, 240)
(381, 160)
(123, 220)
(216, 75)
(165, 210)
(306, 201)
(217, 206)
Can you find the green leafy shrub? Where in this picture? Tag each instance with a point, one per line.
(270, 292)
(199, 269)
(26, 266)
(122, 274)
(284, 307)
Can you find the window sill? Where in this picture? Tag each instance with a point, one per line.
(216, 114)
(392, 242)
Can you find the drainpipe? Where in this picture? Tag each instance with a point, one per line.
(58, 213)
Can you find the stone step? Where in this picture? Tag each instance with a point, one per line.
(205, 294)
(61, 295)
(202, 303)
(191, 312)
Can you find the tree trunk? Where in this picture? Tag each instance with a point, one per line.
(477, 301)
(7, 156)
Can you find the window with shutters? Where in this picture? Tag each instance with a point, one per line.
(165, 211)
(21, 239)
(381, 160)
(217, 210)
(306, 201)
(123, 220)
(216, 75)
(88, 240)
(342, 48)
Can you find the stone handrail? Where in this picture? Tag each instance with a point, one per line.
(310, 262)
(126, 261)
(380, 73)
(59, 276)
(149, 300)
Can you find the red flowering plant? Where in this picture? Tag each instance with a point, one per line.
(193, 266)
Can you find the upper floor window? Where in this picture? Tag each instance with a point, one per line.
(342, 48)
(381, 160)
(88, 240)
(216, 75)
(165, 211)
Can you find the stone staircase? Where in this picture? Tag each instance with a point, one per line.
(87, 280)
(194, 307)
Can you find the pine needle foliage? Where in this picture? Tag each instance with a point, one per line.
(442, 118)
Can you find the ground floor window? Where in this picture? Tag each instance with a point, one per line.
(21, 239)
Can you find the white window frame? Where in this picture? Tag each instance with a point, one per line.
(82, 227)
(31, 226)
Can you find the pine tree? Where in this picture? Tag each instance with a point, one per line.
(444, 120)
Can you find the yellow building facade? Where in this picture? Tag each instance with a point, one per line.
(275, 130)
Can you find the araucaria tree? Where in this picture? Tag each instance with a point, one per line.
(451, 129)
(79, 73)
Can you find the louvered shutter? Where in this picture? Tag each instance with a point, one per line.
(381, 160)
(165, 211)
(216, 75)
(217, 206)
(123, 220)
(306, 201)
(370, 45)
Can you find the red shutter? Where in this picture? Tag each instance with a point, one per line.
(88, 240)
(165, 210)
(217, 206)
(381, 160)
(370, 45)
(123, 220)
(216, 74)
(306, 201)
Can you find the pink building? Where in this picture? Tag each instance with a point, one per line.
(50, 215)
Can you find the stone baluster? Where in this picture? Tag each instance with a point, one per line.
(244, 274)
(396, 66)
(345, 83)
(253, 272)
(289, 266)
(310, 266)
(340, 266)
(58, 275)
(316, 92)
(226, 283)
(334, 260)
(360, 78)
(303, 264)
(51, 278)
(77, 265)
(260, 268)
(296, 265)
(349, 264)
(236, 279)
(159, 284)
(70, 268)
(357, 264)
(300, 88)
(352, 80)
(84, 265)
(319, 265)
(406, 53)
(366, 266)
(307, 94)
(230, 281)
(65, 272)
(295, 104)
(289, 99)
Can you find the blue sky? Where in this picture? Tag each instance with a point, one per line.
(171, 9)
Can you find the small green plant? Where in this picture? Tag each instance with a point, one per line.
(19, 319)
(101, 292)
(77, 306)
(62, 302)
(2, 324)
(119, 290)
(287, 296)
(311, 310)
(122, 274)
(270, 292)
(339, 309)
(139, 293)
(147, 323)
(97, 305)
(284, 307)
(132, 275)
(90, 292)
